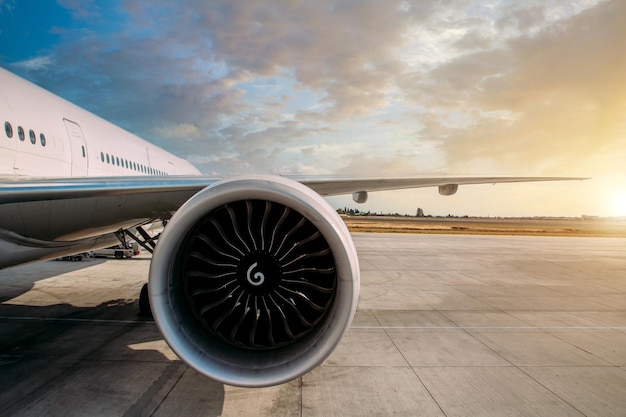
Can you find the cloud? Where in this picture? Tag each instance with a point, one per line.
(345, 50)
(354, 87)
(548, 99)
(35, 64)
(81, 9)
(218, 163)
(328, 62)
(7, 6)
(180, 131)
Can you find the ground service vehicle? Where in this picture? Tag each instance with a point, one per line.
(118, 251)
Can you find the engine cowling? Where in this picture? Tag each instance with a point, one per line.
(448, 189)
(255, 280)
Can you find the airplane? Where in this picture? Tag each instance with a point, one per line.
(254, 280)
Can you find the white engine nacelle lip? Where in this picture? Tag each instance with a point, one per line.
(281, 368)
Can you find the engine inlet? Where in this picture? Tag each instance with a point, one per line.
(257, 274)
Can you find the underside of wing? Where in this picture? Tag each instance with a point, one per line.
(50, 217)
(65, 209)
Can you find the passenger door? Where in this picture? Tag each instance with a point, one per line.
(78, 147)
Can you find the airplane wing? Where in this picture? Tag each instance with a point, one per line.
(20, 190)
(337, 186)
(43, 212)
(61, 209)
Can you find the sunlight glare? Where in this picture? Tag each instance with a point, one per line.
(619, 205)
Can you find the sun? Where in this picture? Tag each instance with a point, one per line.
(619, 204)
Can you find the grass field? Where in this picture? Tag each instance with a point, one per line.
(489, 226)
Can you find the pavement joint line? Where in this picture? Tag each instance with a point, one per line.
(104, 321)
(77, 320)
(493, 327)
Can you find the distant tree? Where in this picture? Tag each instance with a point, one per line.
(420, 212)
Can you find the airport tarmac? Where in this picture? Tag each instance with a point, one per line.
(447, 325)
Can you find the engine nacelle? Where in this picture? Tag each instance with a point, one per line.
(448, 189)
(360, 197)
(255, 281)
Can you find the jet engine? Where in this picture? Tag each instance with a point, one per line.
(448, 189)
(254, 281)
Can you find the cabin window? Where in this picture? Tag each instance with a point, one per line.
(117, 161)
(126, 162)
(108, 160)
(42, 139)
(102, 156)
(82, 148)
(8, 129)
(32, 136)
(20, 133)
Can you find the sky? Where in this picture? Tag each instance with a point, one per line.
(354, 88)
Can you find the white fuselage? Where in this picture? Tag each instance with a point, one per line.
(46, 141)
(43, 135)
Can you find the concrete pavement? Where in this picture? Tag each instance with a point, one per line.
(446, 326)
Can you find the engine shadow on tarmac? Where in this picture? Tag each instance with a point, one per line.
(15, 281)
(105, 359)
(92, 361)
